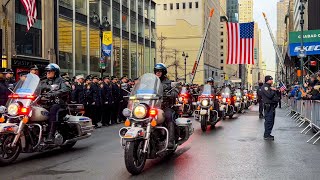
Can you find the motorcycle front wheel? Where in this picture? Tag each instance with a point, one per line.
(203, 120)
(8, 154)
(134, 158)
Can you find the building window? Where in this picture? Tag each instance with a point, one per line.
(221, 60)
(164, 6)
(221, 54)
(197, 4)
(171, 6)
(183, 5)
(177, 5)
(221, 40)
(221, 47)
(221, 33)
(251, 72)
(190, 5)
(221, 67)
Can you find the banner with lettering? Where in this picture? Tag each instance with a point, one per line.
(107, 43)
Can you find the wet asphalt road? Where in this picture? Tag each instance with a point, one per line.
(234, 149)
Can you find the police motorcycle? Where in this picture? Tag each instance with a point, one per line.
(227, 104)
(23, 124)
(255, 97)
(208, 115)
(185, 101)
(239, 104)
(145, 136)
(245, 99)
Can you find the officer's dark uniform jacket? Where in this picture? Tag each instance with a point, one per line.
(268, 95)
(115, 92)
(62, 91)
(107, 94)
(259, 94)
(96, 94)
(78, 94)
(169, 101)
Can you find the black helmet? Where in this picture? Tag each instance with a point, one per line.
(210, 79)
(162, 67)
(53, 67)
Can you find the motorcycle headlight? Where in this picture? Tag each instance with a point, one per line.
(238, 99)
(244, 97)
(180, 99)
(224, 100)
(205, 102)
(140, 111)
(13, 109)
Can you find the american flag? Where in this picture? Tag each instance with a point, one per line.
(31, 10)
(240, 43)
(282, 87)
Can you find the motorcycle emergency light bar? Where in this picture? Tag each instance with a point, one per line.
(153, 112)
(16, 96)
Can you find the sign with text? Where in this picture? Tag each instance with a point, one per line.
(107, 43)
(311, 48)
(308, 36)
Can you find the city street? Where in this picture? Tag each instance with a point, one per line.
(234, 149)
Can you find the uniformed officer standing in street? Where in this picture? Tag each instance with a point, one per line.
(260, 100)
(270, 99)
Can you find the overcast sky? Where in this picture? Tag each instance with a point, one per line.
(270, 8)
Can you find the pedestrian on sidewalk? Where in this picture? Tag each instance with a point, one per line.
(270, 99)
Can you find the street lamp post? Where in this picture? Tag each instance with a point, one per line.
(104, 25)
(185, 66)
(302, 51)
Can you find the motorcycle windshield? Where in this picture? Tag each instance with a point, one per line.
(184, 90)
(148, 85)
(225, 92)
(25, 91)
(207, 90)
(238, 93)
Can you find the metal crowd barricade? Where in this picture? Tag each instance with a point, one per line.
(305, 111)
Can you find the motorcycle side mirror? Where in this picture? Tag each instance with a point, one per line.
(126, 112)
(3, 109)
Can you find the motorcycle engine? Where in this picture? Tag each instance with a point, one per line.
(58, 139)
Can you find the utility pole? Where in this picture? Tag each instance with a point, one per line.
(162, 47)
(302, 51)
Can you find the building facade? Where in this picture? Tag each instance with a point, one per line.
(180, 28)
(65, 33)
(233, 10)
(245, 11)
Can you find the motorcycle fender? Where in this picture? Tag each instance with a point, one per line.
(134, 133)
(203, 112)
(6, 128)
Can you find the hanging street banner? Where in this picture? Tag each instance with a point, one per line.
(308, 36)
(107, 43)
(311, 48)
(106, 48)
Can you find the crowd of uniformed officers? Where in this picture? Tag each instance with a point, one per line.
(103, 98)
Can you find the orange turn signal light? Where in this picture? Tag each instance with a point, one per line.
(153, 123)
(25, 120)
(198, 108)
(127, 123)
(2, 119)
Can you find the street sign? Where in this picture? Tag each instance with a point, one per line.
(308, 36)
(311, 48)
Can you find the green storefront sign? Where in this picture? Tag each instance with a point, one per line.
(308, 36)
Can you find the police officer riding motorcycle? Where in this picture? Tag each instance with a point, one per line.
(153, 128)
(36, 109)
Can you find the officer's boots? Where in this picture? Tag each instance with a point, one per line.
(50, 138)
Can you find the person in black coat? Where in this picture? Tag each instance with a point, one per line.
(96, 88)
(107, 101)
(88, 99)
(116, 99)
(4, 91)
(78, 91)
(124, 91)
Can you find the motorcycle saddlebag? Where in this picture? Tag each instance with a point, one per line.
(84, 124)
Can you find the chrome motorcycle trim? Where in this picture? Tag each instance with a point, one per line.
(167, 139)
(147, 138)
(18, 134)
(76, 139)
(40, 134)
